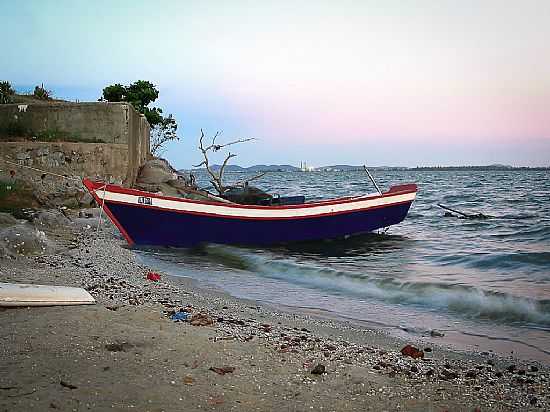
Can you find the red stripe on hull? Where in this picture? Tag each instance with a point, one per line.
(91, 189)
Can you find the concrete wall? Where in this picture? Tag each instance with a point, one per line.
(138, 143)
(109, 140)
(88, 122)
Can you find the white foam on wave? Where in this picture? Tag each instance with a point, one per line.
(467, 301)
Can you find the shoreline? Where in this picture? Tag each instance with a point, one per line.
(328, 320)
(452, 341)
(125, 352)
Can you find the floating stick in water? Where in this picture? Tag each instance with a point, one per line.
(464, 215)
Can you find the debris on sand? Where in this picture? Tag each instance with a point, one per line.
(319, 369)
(118, 347)
(436, 334)
(67, 385)
(153, 276)
(222, 370)
(413, 352)
(201, 319)
(180, 316)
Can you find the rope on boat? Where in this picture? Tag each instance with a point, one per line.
(104, 187)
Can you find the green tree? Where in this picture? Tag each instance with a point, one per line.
(40, 92)
(114, 93)
(141, 94)
(153, 115)
(6, 92)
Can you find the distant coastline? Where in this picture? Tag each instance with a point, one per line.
(349, 168)
(482, 168)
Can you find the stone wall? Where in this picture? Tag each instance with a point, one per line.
(100, 140)
(101, 161)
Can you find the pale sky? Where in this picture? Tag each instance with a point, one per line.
(388, 83)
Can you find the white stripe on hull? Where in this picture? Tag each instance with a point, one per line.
(235, 211)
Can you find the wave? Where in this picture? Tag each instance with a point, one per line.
(540, 233)
(537, 261)
(518, 216)
(467, 301)
(512, 260)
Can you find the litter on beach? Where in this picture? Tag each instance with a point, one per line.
(21, 294)
(153, 276)
(180, 316)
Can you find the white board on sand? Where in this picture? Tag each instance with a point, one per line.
(20, 294)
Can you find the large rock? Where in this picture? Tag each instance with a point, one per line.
(156, 171)
(51, 219)
(66, 193)
(7, 220)
(157, 176)
(86, 200)
(22, 239)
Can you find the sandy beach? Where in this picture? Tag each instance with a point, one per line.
(125, 353)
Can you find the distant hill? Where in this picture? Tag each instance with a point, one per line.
(340, 168)
(488, 167)
(272, 168)
(347, 168)
(257, 168)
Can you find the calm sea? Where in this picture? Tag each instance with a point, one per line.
(484, 284)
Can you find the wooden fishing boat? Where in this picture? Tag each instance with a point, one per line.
(146, 218)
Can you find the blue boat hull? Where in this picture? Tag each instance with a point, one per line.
(151, 226)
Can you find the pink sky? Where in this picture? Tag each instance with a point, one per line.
(330, 79)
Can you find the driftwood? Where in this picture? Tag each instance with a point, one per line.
(462, 214)
(217, 178)
(244, 182)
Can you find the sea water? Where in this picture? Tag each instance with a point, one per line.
(483, 284)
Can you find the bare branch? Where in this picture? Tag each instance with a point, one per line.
(214, 146)
(243, 181)
(220, 173)
(217, 178)
(221, 146)
(202, 136)
(200, 164)
(205, 161)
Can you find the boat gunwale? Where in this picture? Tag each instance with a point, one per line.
(393, 191)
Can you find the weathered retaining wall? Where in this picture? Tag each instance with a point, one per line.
(139, 149)
(102, 161)
(102, 140)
